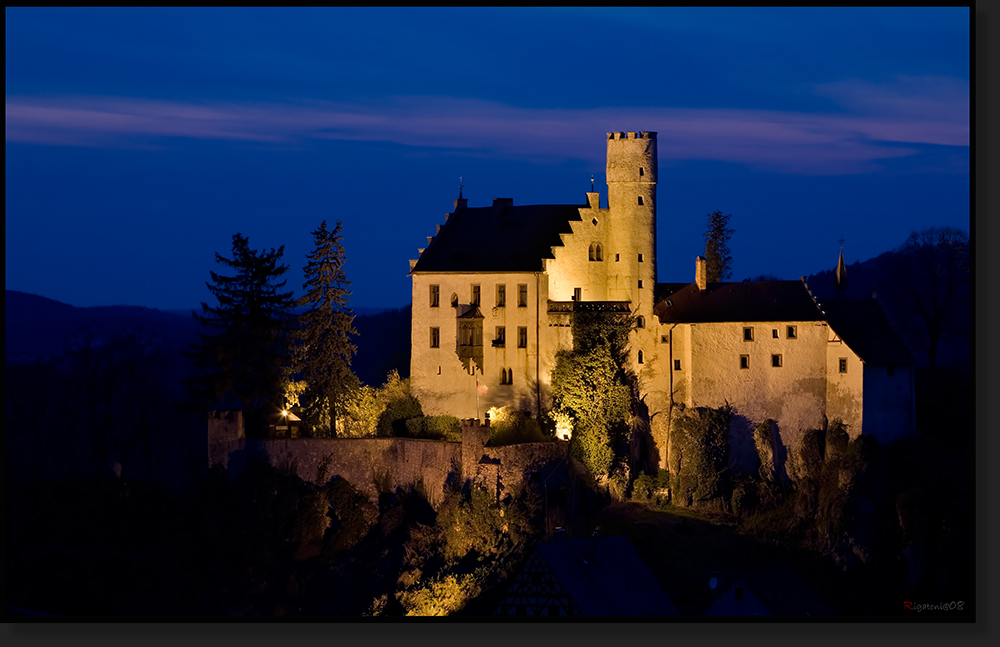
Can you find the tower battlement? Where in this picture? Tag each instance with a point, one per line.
(641, 134)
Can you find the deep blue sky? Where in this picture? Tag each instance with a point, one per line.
(139, 141)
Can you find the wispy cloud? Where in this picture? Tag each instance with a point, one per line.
(877, 123)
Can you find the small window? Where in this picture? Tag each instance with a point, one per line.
(617, 257)
(501, 337)
(640, 283)
(640, 322)
(435, 296)
(776, 361)
(842, 364)
(439, 370)
(475, 295)
(454, 300)
(748, 334)
(640, 172)
(791, 332)
(596, 253)
(501, 295)
(640, 200)
(435, 337)
(522, 337)
(503, 376)
(677, 364)
(640, 258)
(510, 376)
(664, 339)
(578, 294)
(522, 295)
(774, 333)
(744, 361)
(640, 357)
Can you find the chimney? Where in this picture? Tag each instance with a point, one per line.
(701, 273)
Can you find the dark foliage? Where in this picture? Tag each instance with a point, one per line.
(719, 263)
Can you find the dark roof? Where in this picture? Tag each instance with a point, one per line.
(775, 591)
(606, 577)
(864, 328)
(499, 238)
(757, 301)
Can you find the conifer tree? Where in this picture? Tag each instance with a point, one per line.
(718, 262)
(325, 350)
(245, 344)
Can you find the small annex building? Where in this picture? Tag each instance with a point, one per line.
(496, 287)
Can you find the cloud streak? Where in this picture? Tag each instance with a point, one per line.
(877, 122)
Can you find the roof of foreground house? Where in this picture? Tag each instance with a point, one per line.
(498, 238)
(757, 301)
(864, 328)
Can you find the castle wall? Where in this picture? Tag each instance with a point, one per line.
(437, 376)
(845, 395)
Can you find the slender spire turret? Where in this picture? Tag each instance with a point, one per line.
(840, 276)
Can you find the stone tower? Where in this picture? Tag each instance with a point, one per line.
(631, 175)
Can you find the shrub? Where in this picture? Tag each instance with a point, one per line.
(700, 460)
(508, 426)
(837, 439)
(435, 428)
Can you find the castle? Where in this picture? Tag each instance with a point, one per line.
(495, 288)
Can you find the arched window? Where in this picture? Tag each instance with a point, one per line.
(510, 376)
(454, 300)
(640, 357)
(640, 322)
(596, 254)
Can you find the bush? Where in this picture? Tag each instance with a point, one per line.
(836, 439)
(397, 412)
(699, 464)
(435, 428)
(508, 426)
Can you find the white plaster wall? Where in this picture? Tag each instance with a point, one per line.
(438, 378)
(844, 391)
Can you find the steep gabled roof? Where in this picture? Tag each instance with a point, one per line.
(864, 328)
(758, 301)
(499, 238)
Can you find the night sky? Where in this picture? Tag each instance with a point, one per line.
(139, 141)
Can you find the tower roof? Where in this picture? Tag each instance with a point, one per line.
(864, 328)
(498, 238)
(840, 275)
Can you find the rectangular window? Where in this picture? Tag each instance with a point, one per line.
(522, 295)
(640, 258)
(435, 296)
(774, 333)
(501, 338)
(640, 199)
(748, 334)
(522, 337)
(664, 339)
(501, 295)
(617, 257)
(677, 364)
(791, 332)
(744, 361)
(640, 283)
(776, 361)
(577, 294)
(842, 362)
(475, 295)
(435, 337)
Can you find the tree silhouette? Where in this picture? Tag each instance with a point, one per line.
(719, 263)
(324, 354)
(247, 355)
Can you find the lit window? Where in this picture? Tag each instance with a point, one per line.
(776, 361)
(522, 337)
(640, 357)
(435, 337)
(522, 295)
(791, 332)
(748, 334)
(744, 361)
(842, 364)
(640, 322)
(501, 295)
(435, 295)
(475, 295)
(677, 364)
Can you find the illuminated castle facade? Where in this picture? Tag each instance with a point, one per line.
(494, 290)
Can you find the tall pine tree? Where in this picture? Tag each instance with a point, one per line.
(324, 354)
(245, 344)
(718, 262)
